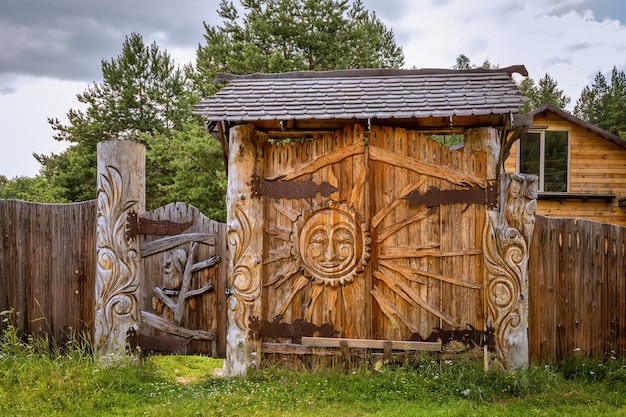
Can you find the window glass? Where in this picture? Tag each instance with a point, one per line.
(555, 161)
(545, 154)
(530, 156)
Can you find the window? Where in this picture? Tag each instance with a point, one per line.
(546, 154)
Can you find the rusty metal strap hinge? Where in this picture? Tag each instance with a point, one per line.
(136, 225)
(434, 197)
(290, 189)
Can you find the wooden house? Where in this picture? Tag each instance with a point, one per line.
(346, 220)
(581, 168)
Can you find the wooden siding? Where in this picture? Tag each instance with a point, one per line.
(47, 266)
(577, 282)
(597, 166)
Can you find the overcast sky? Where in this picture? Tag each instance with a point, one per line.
(51, 50)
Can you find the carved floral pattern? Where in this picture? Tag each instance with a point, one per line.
(246, 286)
(117, 281)
(505, 244)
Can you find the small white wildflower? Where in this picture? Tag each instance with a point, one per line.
(465, 392)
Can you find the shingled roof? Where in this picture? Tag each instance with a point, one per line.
(364, 94)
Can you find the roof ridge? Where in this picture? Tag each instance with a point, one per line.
(369, 72)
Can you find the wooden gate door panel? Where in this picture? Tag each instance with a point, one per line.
(164, 270)
(317, 247)
(425, 255)
(389, 247)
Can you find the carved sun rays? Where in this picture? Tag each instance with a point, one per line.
(391, 272)
(301, 260)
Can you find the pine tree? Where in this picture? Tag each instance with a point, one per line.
(545, 92)
(142, 93)
(604, 104)
(294, 35)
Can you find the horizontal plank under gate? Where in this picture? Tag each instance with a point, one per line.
(371, 344)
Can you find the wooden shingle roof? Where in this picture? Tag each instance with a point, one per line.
(364, 94)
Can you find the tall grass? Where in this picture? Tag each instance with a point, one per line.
(39, 378)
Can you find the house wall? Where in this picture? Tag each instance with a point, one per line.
(597, 166)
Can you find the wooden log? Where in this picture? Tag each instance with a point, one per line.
(121, 189)
(161, 245)
(245, 244)
(506, 238)
(485, 139)
(166, 326)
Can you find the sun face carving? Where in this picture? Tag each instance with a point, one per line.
(331, 244)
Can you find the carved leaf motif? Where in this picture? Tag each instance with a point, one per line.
(117, 260)
(505, 250)
(505, 246)
(246, 288)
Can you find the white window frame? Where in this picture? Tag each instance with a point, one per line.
(542, 153)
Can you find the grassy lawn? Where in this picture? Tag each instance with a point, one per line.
(37, 382)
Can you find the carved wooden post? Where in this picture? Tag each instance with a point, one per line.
(505, 249)
(245, 245)
(507, 234)
(121, 188)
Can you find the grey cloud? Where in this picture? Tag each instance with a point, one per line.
(67, 39)
(557, 60)
(7, 90)
(390, 11)
(601, 9)
(577, 47)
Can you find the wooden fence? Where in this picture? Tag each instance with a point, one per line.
(48, 270)
(577, 274)
(577, 291)
(47, 266)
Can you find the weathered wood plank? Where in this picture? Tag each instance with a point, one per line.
(315, 165)
(371, 344)
(417, 252)
(424, 168)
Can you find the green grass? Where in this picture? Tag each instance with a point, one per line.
(37, 380)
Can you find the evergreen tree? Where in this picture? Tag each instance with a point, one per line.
(464, 63)
(604, 103)
(545, 92)
(191, 169)
(27, 189)
(294, 35)
(142, 93)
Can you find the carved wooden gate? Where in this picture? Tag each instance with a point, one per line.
(376, 232)
(182, 287)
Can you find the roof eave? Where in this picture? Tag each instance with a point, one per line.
(575, 120)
